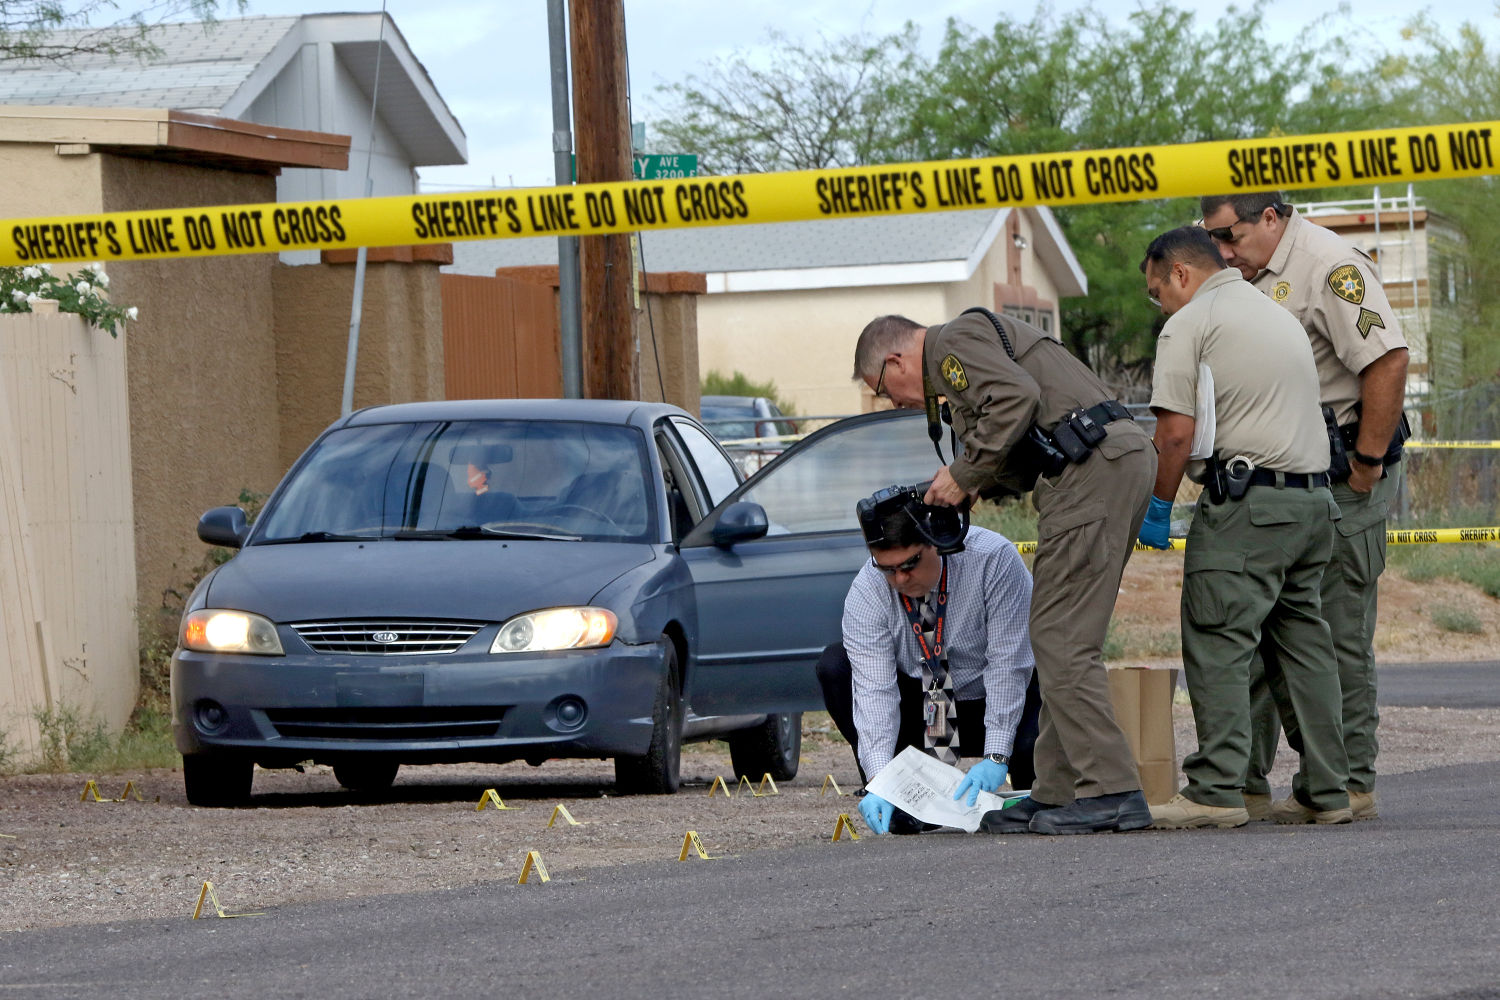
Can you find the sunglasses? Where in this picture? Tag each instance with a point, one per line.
(1225, 234)
(901, 567)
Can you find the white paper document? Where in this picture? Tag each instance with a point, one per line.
(1204, 423)
(923, 786)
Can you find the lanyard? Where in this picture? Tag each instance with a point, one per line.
(933, 656)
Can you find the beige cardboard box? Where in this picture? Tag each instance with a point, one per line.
(1143, 707)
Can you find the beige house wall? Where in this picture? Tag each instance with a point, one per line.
(803, 339)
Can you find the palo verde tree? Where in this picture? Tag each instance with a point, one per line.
(56, 31)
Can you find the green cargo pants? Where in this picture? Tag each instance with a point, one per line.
(1252, 573)
(1349, 603)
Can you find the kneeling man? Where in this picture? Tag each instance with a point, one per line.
(936, 655)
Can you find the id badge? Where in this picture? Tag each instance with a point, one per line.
(935, 715)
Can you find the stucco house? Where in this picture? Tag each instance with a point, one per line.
(785, 301)
(236, 362)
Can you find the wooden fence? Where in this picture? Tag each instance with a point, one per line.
(500, 338)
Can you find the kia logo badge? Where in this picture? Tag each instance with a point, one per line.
(385, 637)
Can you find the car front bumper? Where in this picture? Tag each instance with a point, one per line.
(427, 709)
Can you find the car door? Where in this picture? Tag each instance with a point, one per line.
(768, 606)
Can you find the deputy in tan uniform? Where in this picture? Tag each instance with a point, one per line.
(1334, 290)
(1005, 381)
(1262, 532)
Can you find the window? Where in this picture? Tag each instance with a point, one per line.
(719, 473)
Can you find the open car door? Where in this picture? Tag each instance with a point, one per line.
(767, 606)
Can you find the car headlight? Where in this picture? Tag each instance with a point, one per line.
(556, 628)
(213, 630)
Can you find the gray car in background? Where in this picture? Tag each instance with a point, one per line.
(498, 580)
(752, 428)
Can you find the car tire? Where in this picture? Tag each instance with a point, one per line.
(659, 770)
(366, 775)
(217, 781)
(774, 747)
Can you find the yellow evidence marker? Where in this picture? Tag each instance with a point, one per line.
(690, 841)
(130, 790)
(207, 892)
(836, 790)
(745, 783)
(90, 788)
(845, 825)
(562, 810)
(490, 795)
(533, 863)
(718, 784)
(761, 789)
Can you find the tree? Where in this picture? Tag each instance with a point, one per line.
(814, 106)
(56, 31)
(1048, 83)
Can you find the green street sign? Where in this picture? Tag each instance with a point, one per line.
(661, 166)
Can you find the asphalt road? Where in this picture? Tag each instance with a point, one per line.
(1402, 906)
(1441, 685)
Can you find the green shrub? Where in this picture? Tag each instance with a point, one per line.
(70, 739)
(1456, 620)
(1013, 517)
(716, 383)
(1474, 564)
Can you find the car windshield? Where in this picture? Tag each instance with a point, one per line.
(728, 423)
(512, 478)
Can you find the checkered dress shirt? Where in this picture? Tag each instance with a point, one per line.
(988, 646)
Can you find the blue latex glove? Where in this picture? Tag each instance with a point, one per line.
(1158, 524)
(877, 812)
(986, 776)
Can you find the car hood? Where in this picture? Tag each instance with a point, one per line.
(479, 579)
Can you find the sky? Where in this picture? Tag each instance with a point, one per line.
(488, 58)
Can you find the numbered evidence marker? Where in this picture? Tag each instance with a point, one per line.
(491, 796)
(533, 863)
(130, 790)
(718, 784)
(690, 842)
(761, 788)
(90, 788)
(836, 790)
(207, 892)
(845, 825)
(562, 810)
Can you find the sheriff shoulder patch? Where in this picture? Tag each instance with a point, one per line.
(1281, 291)
(953, 373)
(1347, 283)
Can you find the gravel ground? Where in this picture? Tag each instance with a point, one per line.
(304, 838)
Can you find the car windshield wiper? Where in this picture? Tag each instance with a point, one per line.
(317, 536)
(477, 531)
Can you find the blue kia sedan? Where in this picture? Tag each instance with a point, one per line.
(498, 580)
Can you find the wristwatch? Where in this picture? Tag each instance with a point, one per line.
(997, 758)
(1364, 459)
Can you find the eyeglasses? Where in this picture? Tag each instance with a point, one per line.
(1225, 234)
(880, 381)
(1152, 297)
(901, 567)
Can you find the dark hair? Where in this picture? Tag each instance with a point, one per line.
(897, 531)
(1184, 245)
(1246, 206)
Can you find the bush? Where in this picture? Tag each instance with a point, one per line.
(718, 384)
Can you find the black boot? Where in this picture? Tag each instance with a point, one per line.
(1096, 814)
(1014, 818)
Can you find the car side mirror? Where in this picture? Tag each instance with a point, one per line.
(225, 526)
(741, 521)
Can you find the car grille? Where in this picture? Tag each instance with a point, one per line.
(417, 723)
(397, 638)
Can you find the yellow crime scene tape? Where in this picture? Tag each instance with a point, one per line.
(1423, 445)
(1064, 178)
(1404, 536)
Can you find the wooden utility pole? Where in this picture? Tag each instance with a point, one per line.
(602, 131)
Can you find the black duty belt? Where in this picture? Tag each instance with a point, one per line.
(1109, 411)
(1292, 480)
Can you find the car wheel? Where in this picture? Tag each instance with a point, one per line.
(366, 775)
(658, 771)
(774, 747)
(217, 781)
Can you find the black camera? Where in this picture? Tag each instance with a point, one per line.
(943, 528)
